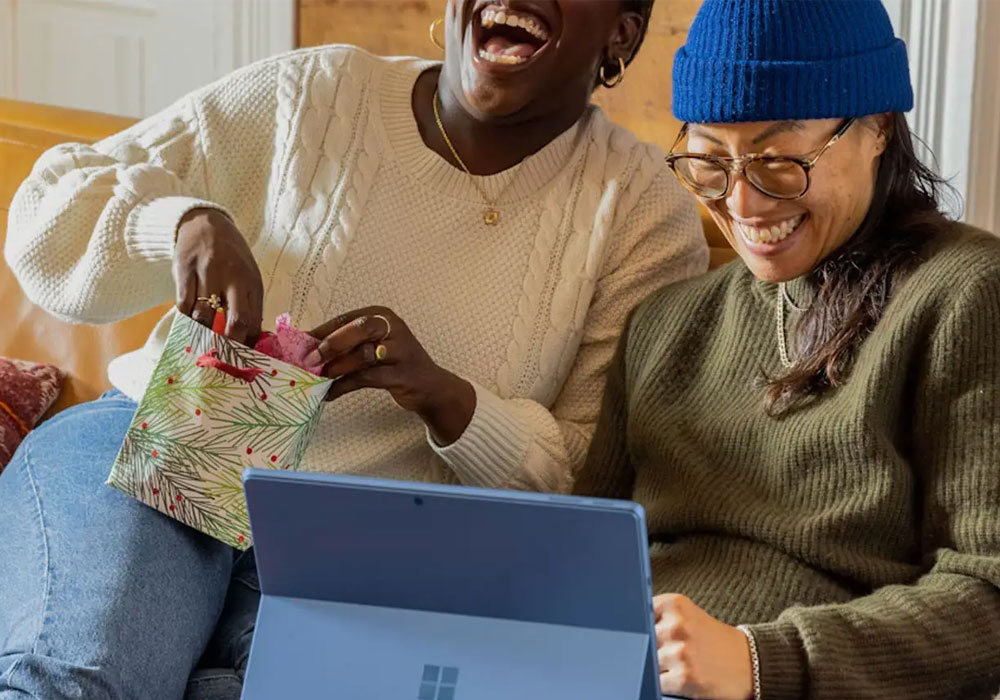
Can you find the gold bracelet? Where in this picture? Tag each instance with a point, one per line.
(754, 660)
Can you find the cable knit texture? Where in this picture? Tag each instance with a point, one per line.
(859, 537)
(317, 157)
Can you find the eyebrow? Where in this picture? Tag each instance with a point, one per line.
(694, 129)
(780, 127)
(773, 130)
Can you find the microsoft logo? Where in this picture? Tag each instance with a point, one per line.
(438, 683)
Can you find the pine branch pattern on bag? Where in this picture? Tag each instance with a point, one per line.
(198, 427)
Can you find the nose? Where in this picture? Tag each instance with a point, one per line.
(746, 201)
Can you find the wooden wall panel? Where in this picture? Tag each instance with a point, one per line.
(399, 27)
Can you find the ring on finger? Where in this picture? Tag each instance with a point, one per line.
(388, 326)
(381, 352)
(214, 301)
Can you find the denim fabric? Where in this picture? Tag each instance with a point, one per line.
(102, 597)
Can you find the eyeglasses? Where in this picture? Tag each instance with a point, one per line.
(779, 177)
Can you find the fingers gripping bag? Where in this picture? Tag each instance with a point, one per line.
(214, 407)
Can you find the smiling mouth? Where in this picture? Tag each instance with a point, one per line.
(510, 37)
(769, 234)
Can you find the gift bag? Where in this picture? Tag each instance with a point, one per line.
(213, 408)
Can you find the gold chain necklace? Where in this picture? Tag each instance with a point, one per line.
(491, 215)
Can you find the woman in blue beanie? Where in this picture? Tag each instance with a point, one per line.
(814, 431)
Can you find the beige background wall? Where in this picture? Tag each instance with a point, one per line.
(399, 27)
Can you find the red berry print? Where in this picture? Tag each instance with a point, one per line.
(156, 491)
(171, 506)
(144, 426)
(155, 453)
(274, 458)
(249, 450)
(197, 411)
(263, 397)
(274, 373)
(240, 539)
(187, 349)
(179, 498)
(291, 383)
(170, 380)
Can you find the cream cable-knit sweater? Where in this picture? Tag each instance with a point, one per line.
(317, 156)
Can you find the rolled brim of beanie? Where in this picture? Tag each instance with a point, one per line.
(713, 91)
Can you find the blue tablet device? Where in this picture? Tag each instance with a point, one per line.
(386, 590)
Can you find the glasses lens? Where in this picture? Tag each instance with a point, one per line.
(704, 177)
(778, 177)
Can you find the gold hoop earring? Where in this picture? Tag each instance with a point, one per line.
(618, 78)
(432, 29)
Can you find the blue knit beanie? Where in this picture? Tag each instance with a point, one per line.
(766, 60)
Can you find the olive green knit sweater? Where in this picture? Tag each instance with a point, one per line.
(858, 536)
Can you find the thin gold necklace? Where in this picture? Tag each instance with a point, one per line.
(491, 215)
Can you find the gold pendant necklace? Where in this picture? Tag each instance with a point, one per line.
(491, 215)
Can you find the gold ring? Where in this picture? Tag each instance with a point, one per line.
(381, 352)
(388, 326)
(214, 301)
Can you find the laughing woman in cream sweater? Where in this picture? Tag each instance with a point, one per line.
(482, 208)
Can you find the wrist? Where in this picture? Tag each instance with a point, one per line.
(200, 216)
(751, 641)
(449, 408)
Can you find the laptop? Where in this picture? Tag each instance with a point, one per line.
(385, 590)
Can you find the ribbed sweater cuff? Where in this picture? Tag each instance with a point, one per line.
(493, 446)
(151, 229)
(783, 669)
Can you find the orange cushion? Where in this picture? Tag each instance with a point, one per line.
(82, 352)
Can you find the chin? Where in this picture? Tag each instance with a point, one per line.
(493, 100)
(507, 54)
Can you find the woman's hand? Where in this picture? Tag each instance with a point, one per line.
(374, 349)
(700, 657)
(212, 257)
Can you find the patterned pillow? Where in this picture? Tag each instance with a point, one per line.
(26, 392)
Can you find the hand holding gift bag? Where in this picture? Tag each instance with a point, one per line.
(213, 408)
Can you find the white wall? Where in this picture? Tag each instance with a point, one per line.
(132, 57)
(954, 64)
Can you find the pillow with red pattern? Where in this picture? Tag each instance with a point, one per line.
(26, 392)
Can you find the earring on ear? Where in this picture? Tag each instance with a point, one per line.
(617, 79)
(432, 29)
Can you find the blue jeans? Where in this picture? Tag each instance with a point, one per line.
(102, 597)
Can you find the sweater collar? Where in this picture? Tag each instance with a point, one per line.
(799, 293)
(401, 137)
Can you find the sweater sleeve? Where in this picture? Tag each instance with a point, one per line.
(91, 230)
(519, 443)
(938, 637)
(607, 471)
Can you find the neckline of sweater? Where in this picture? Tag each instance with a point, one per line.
(393, 109)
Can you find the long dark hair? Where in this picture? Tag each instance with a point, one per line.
(854, 285)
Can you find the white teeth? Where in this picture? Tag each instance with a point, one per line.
(490, 17)
(772, 234)
(500, 58)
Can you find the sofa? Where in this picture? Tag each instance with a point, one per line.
(83, 352)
